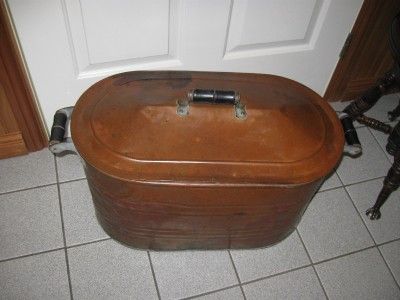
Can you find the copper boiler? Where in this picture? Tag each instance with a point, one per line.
(201, 160)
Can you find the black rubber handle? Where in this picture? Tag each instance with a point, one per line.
(58, 128)
(214, 96)
(350, 133)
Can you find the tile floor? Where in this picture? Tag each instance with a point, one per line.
(51, 246)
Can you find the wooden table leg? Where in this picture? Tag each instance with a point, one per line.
(390, 184)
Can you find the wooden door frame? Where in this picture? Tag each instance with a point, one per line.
(342, 73)
(20, 92)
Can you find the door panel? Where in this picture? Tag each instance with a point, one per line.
(294, 22)
(71, 44)
(119, 38)
(133, 35)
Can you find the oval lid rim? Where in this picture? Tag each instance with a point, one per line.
(137, 166)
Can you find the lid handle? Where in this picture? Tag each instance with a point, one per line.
(212, 97)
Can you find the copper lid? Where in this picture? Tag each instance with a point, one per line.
(129, 126)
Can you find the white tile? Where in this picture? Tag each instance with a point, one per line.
(332, 181)
(109, 270)
(229, 294)
(30, 222)
(69, 167)
(331, 226)
(257, 263)
(80, 220)
(299, 284)
(371, 164)
(42, 276)
(383, 106)
(339, 106)
(34, 169)
(382, 140)
(182, 274)
(364, 195)
(362, 275)
(391, 253)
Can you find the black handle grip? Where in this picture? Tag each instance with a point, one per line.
(350, 133)
(61, 118)
(214, 96)
(58, 128)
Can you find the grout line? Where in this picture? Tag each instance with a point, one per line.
(68, 273)
(59, 202)
(27, 189)
(330, 189)
(363, 181)
(40, 186)
(73, 180)
(63, 231)
(31, 254)
(274, 275)
(211, 292)
(387, 265)
(388, 242)
(88, 243)
(52, 250)
(349, 184)
(154, 275)
(312, 264)
(237, 274)
(343, 255)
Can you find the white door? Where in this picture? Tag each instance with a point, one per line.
(70, 44)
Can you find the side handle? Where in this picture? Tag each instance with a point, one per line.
(58, 143)
(353, 146)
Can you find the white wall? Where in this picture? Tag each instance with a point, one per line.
(70, 44)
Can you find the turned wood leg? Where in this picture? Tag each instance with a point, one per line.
(375, 124)
(369, 98)
(390, 184)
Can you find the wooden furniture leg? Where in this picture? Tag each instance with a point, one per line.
(390, 184)
(369, 98)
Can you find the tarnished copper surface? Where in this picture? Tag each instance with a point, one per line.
(206, 180)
